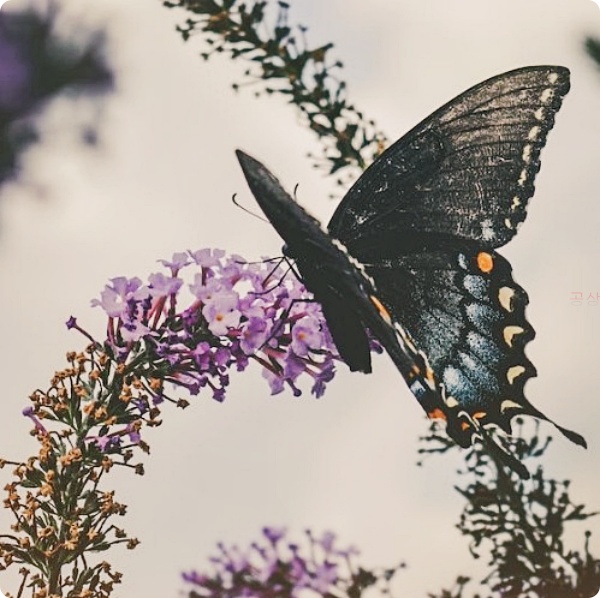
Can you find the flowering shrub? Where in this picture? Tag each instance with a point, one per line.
(277, 568)
(174, 331)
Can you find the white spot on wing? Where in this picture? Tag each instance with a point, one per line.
(487, 232)
(523, 178)
(547, 96)
(505, 295)
(508, 404)
(510, 332)
(534, 133)
(514, 372)
(451, 402)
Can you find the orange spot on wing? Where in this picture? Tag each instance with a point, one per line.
(479, 415)
(437, 413)
(485, 262)
(385, 314)
(464, 426)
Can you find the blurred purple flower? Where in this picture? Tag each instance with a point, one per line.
(274, 567)
(15, 69)
(37, 63)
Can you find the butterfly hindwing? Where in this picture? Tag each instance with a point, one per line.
(467, 170)
(466, 313)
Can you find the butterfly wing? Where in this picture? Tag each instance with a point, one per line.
(425, 219)
(466, 171)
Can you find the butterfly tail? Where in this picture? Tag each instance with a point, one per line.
(572, 436)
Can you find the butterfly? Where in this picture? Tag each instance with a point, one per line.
(410, 253)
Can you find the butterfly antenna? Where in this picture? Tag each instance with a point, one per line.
(291, 268)
(294, 270)
(284, 316)
(268, 260)
(270, 274)
(241, 207)
(296, 192)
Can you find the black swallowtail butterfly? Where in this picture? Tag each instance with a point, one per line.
(410, 252)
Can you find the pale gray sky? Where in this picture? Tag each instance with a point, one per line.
(162, 182)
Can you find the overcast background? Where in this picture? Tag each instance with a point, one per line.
(161, 181)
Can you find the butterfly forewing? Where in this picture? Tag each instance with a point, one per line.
(468, 170)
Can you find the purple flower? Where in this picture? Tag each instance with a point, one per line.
(327, 541)
(293, 367)
(238, 313)
(115, 297)
(254, 335)
(275, 381)
(206, 291)
(324, 375)
(274, 534)
(30, 413)
(104, 442)
(325, 577)
(133, 331)
(133, 432)
(221, 312)
(207, 257)
(178, 261)
(195, 578)
(163, 286)
(306, 336)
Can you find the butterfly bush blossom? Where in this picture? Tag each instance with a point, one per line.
(275, 567)
(208, 313)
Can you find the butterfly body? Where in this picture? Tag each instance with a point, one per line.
(337, 280)
(410, 252)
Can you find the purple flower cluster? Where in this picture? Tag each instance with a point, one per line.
(206, 312)
(277, 568)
